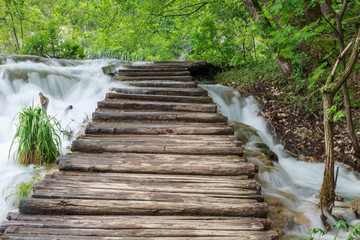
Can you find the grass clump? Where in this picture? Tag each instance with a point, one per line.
(37, 135)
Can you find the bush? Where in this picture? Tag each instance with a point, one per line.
(38, 136)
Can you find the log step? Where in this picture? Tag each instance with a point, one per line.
(158, 128)
(178, 144)
(128, 73)
(158, 163)
(163, 91)
(113, 115)
(161, 83)
(159, 98)
(111, 207)
(137, 222)
(181, 79)
(146, 68)
(156, 106)
(135, 227)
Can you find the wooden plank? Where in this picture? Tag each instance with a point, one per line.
(163, 91)
(190, 232)
(161, 83)
(154, 68)
(110, 207)
(269, 235)
(158, 128)
(113, 115)
(156, 106)
(186, 80)
(82, 145)
(137, 222)
(159, 98)
(161, 166)
(152, 72)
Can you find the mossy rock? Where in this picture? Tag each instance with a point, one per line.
(244, 132)
(266, 150)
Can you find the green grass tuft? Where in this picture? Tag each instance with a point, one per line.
(38, 137)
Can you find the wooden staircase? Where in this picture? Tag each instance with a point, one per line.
(156, 162)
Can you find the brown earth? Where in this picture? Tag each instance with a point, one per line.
(301, 134)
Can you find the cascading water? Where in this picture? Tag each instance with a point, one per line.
(293, 183)
(65, 82)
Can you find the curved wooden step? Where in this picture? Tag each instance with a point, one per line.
(232, 165)
(138, 105)
(184, 79)
(161, 83)
(158, 98)
(163, 91)
(129, 116)
(158, 128)
(129, 72)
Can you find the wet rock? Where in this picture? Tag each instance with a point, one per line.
(260, 157)
(355, 206)
(266, 150)
(244, 132)
(282, 217)
(315, 159)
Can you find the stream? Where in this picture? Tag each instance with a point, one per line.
(290, 186)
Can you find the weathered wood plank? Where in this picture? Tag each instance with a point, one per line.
(159, 98)
(160, 83)
(186, 80)
(163, 91)
(137, 222)
(269, 235)
(156, 106)
(154, 68)
(190, 232)
(113, 115)
(158, 165)
(158, 128)
(129, 72)
(110, 207)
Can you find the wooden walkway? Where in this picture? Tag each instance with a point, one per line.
(157, 162)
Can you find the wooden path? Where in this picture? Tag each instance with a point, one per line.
(157, 162)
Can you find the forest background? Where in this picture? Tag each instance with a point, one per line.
(292, 45)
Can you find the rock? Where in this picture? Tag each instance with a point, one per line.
(303, 132)
(283, 217)
(244, 132)
(266, 150)
(261, 158)
(355, 206)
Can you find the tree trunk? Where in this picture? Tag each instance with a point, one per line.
(13, 27)
(256, 14)
(327, 193)
(349, 121)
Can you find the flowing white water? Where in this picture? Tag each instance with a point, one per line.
(78, 83)
(295, 178)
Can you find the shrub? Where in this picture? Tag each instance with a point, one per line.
(38, 137)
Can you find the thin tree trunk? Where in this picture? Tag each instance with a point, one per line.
(327, 193)
(254, 45)
(349, 121)
(13, 27)
(244, 53)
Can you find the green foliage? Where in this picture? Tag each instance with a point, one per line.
(24, 189)
(37, 135)
(251, 73)
(341, 224)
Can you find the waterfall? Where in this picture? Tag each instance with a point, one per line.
(294, 183)
(65, 82)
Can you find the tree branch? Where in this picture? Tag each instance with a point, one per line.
(184, 14)
(349, 67)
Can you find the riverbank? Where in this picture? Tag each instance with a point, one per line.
(299, 131)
